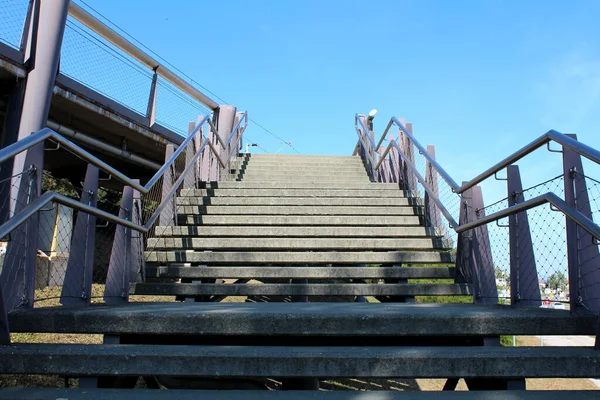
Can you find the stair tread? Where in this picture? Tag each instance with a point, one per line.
(316, 319)
(299, 272)
(299, 361)
(301, 289)
(293, 192)
(187, 394)
(328, 257)
(293, 210)
(299, 231)
(260, 243)
(320, 220)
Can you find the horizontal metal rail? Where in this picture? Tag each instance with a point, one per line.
(584, 222)
(429, 158)
(552, 135)
(423, 183)
(129, 48)
(47, 133)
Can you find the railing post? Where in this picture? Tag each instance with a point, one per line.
(582, 253)
(17, 277)
(167, 216)
(116, 290)
(394, 162)
(77, 286)
(138, 262)
(464, 247)
(4, 332)
(226, 116)
(151, 109)
(431, 211)
(189, 182)
(482, 253)
(524, 284)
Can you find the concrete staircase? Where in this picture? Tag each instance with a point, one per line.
(330, 265)
(315, 218)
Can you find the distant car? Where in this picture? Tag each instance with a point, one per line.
(559, 306)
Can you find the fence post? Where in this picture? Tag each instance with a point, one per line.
(77, 286)
(482, 254)
(189, 182)
(464, 246)
(431, 211)
(226, 117)
(582, 253)
(409, 151)
(4, 332)
(138, 263)
(151, 109)
(524, 284)
(118, 276)
(167, 215)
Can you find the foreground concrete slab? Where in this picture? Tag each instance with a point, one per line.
(268, 361)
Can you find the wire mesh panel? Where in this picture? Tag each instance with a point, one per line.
(547, 228)
(13, 14)
(175, 109)
(92, 61)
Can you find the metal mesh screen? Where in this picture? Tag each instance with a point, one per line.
(94, 62)
(12, 14)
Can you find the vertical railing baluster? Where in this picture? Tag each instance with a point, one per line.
(524, 284)
(77, 286)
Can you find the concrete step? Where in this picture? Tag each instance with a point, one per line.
(303, 157)
(300, 289)
(299, 361)
(261, 243)
(14, 393)
(281, 271)
(367, 186)
(295, 210)
(290, 258)
(300, 201)
(304, 172)
(303, 319)
(296, 231)
(304, 180)
(294, 192)
(279, 168)
(302, 220)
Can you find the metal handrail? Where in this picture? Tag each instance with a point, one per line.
(423, 183)
(47, 133)
(129, 48)
(552, 135)
(357, 119)
(429, 158)
(584, 222)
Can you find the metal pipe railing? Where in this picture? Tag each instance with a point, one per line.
(125, 45)
(423, 183)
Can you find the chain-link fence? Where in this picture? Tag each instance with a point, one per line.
(13, 14)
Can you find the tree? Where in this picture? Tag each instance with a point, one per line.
(556, 281)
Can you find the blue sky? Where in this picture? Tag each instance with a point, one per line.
(477, 78)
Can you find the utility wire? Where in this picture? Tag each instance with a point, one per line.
(183, 73)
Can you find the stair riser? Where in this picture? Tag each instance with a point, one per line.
(300, 231)
(295, 210)
(298, 201)
(291, 258)
(257, 244)
(354, 193)
(370, 187)
(300, 272)
(272, 289)
(325, 220)
(301, 361)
